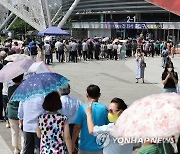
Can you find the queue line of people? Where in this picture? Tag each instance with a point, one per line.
(57, 120)
(80, 121)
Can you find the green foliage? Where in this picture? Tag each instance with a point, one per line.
(20, 27)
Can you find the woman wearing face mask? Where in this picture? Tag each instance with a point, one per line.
(110, 146)
(140, 65)
(169, 78)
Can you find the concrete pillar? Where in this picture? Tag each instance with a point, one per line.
(48, 13)
(156, 34)
(124, 34)
(138, 17)
(6, 20)
(57, 13)
(178, 36)
(102, 17)
(66, 16)
(12, 22)
(164, 37)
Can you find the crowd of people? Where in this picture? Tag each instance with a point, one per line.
(53, 124)
(72, 50)
(58, 123)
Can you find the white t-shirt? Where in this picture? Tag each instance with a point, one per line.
(113, 147)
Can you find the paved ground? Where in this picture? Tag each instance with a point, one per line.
(115, 78)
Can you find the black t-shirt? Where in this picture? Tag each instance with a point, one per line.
(170, 82)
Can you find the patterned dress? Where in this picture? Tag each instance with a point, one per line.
(52, 131)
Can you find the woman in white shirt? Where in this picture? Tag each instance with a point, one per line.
(110, 144)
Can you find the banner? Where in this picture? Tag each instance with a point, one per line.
(132, 25)
(169, 5)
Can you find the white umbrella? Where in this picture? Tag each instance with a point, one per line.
(36, 68)
(105, 39)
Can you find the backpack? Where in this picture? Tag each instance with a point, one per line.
(164, 53)
(33, 50)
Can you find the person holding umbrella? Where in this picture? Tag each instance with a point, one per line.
(116, 107)
(156, 118)
(12, 115)
(31, 95)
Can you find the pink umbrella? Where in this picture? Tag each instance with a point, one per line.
(90, 40)
(8, 72)
(15, 57)
(116, 40)
(152, 116)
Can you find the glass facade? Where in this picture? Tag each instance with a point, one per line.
(111, 6)
(118, 11)
(89, 15)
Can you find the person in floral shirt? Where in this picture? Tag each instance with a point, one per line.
(53, 128)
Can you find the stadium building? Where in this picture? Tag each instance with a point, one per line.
(121, 18)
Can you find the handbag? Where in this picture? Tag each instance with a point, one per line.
(143, 64)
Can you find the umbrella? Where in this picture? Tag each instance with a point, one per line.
(90, 40)
(116, 40)
(19, 42)
(105, 39)
(123, 41)
(8, 72)
(36, 68)
(39, 67)
(15, 57)
(39, 85)
(53, 31)
(153, 116)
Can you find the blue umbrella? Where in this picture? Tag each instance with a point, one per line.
(39, 85)
(53, 31)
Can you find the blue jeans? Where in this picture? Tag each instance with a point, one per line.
(164, 61)
(169, 90)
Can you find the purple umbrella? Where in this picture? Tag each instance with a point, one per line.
(53, 31)
(14, 69)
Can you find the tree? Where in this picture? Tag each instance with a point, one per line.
(21, 27)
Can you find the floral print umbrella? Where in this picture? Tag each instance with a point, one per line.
(156, 115)
(15, 57)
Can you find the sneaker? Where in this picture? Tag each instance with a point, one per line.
(16, 151)
(7, 124)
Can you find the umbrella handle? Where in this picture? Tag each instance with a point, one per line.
(164, 149)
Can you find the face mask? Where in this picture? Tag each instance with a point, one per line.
(113, 117)
(169, 69)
